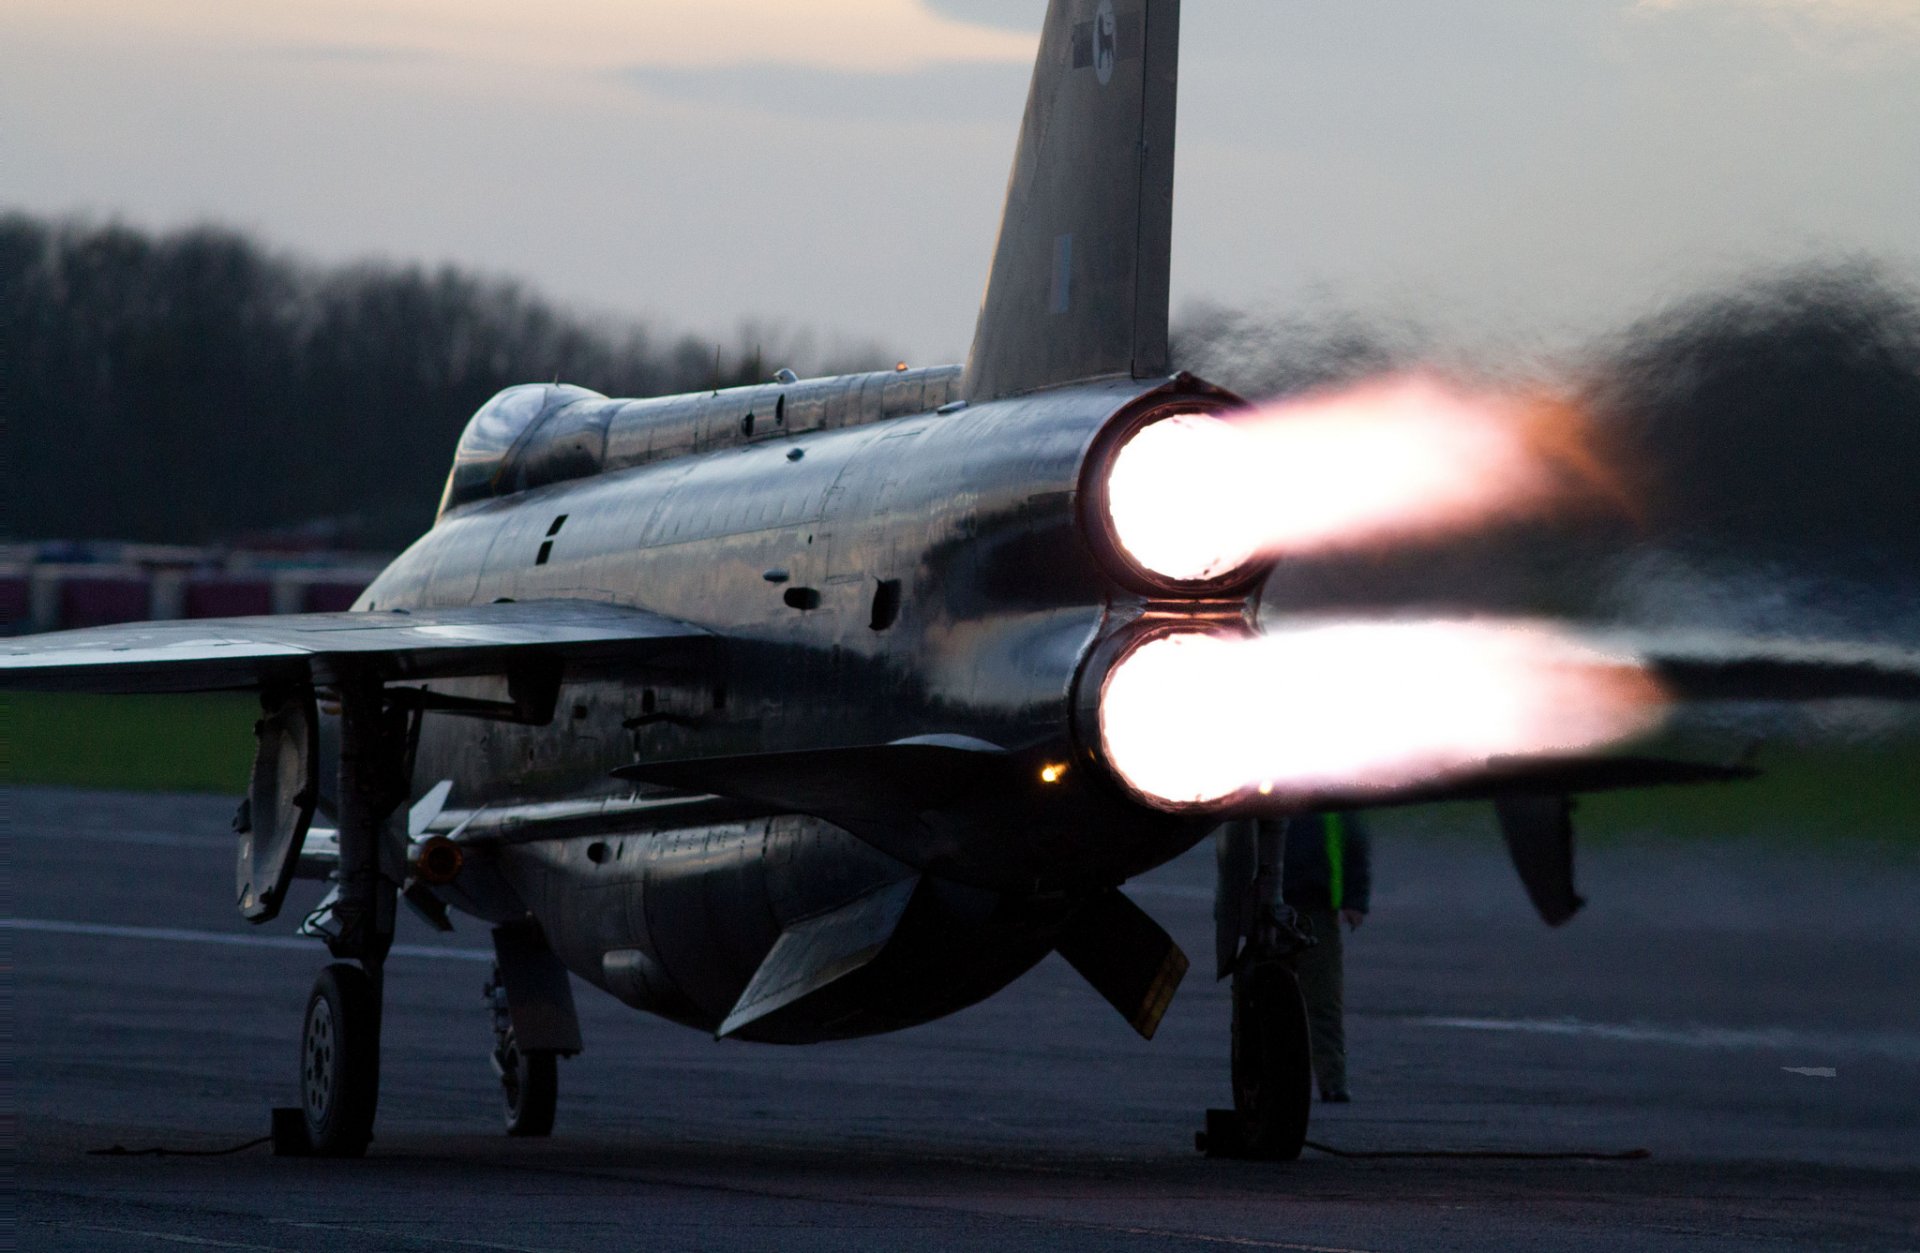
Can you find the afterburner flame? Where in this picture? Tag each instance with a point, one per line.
(1179, 499)
(1192, 497)
(1331, 709)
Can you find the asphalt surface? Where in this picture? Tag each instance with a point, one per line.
(1747, 1012)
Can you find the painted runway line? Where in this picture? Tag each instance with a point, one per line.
(177, 935)
(1896, 1046)
(135, 836)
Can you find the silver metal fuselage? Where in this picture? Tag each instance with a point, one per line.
(866, 580)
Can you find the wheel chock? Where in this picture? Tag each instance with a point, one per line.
(289, 1132)
(1223, 1136)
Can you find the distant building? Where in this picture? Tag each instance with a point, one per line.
(57, 584)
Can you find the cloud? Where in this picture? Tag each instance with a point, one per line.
(574, 35)
(938, 93)
(349, 54)
(1900, 18)
(1022, 15)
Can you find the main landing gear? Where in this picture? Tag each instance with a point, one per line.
(530, 999)
(1272, 1060)
(530, 995)
(340, 1062)
(340, 1041)
(1272, 1068)
(529, 1078)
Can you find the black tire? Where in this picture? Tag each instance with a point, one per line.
(1272, 1061)
(530, 1081)
(340, 1061)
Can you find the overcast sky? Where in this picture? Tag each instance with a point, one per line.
(1502, 167)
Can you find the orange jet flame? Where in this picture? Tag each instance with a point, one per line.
(1327, 710)
(1415, 456)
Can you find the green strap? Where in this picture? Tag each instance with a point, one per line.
(1336, 828)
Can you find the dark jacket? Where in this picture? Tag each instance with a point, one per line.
(1329, 863)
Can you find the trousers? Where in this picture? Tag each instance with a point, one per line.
(1322, 975)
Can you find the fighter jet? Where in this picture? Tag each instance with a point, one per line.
(823, 708)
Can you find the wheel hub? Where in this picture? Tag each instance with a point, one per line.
(317, 1073)
(510, 1072)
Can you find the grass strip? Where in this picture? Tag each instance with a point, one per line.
(198, 742)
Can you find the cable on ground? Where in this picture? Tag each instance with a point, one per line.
(1487, 1155)
(121, 1150)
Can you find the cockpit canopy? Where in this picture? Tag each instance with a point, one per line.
(528, 435)
(541, 433)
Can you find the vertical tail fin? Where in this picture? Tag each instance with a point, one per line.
(1079, 281)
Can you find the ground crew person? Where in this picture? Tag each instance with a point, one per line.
(1328, 880)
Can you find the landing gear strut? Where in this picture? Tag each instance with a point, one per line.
(1272, 1060)
(340, 1042)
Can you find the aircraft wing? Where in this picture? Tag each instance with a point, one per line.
(1699, 666)
(1532, 795)
(214, 654)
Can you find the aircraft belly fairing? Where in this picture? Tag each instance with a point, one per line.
(784, 929)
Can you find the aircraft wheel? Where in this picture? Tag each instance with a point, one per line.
(1272, 1062)
(530, 1081)
(340, 1061)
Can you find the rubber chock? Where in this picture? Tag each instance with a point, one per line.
(1222, 1138)
(289, 1132)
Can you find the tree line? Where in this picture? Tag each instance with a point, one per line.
(196, 386)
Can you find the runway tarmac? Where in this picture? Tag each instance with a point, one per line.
(1748, 1012)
